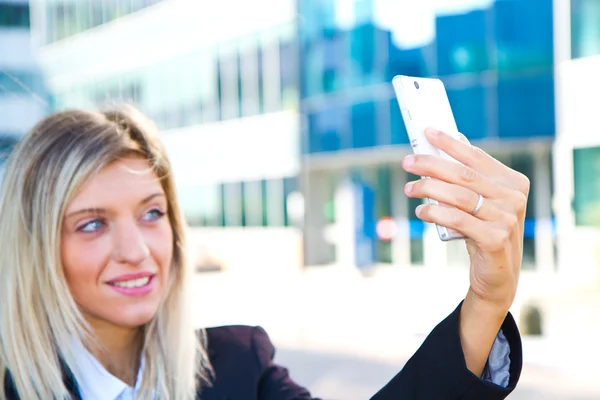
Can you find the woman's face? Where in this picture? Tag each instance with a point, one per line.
(117, 245)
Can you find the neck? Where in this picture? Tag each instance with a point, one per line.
(119, 349)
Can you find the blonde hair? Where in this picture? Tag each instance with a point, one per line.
(39, 318)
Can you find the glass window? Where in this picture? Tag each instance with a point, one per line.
(14, 15)
(290, 185)
(275, 202)
(329, 130)
(518, 115)
(461, 43)
(83, 15)
(363, 51)
(233, 204)
(208, 77)
(228, 81)
(586, 202)
(248, 76)
(253, 203)
(585, 29)
(523, 31)
(469, 107)
(271, 73)
(524, 163)
(364, 125)
(288, 50)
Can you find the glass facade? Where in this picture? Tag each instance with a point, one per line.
(244, 77)
(493, 61)
(14, 15)
(240, 78)
(239, 204)
(585, 28)
(586, 202)
(66, 18)
(20, 82)
(496, 62)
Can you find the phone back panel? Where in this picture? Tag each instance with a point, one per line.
(427, 106)
(423, 105)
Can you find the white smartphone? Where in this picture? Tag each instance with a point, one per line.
(424, 103)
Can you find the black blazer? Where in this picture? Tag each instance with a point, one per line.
(242, 360)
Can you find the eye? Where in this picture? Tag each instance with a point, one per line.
(91, 226)
(153, 215)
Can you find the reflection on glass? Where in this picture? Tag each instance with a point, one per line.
(585, 29)
(14, 15)
(586, 202)
(69, 17)
(487, 53)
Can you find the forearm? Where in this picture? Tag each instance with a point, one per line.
(479, 325)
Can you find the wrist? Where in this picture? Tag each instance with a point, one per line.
(485, 309)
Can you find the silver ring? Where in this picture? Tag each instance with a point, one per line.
(478, 206)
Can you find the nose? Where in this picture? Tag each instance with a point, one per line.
(130, 246)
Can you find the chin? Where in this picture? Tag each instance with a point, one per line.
(134, 318)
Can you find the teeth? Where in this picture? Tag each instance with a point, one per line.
(134, 283)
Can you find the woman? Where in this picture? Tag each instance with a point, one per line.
(94, 289)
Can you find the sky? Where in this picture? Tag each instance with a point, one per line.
(412, 22)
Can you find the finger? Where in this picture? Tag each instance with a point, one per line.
(487, 236)
(453, 195)
(477, 159)
(463, 138)
(452, 172)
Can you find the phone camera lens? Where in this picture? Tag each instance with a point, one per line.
(416, 84)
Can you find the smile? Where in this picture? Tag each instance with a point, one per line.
(134, 283)
(138, 286)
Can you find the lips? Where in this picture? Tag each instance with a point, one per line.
(128, 278)
(133, 284)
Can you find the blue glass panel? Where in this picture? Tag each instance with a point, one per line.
(329, 130)
(407, 62)
(416, 228)
(523, 31)
(468, 106)
(526, 106)
(461, 43)
(364, 125)
(585, 29)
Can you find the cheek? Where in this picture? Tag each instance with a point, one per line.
(83, 262)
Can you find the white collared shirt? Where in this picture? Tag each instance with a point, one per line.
(99, 384)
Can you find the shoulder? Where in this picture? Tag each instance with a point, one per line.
(240, 342)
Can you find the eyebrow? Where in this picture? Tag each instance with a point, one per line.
(96, 210)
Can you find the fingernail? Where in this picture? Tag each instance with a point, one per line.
(419, 209)
(408, 187)
(434, 132)
(409, 160)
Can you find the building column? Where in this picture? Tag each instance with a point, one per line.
(345, 222)
(563, 146)
(315, 198)
(544, 242)
(401, 240)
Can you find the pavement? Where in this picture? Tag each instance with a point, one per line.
(344, 335)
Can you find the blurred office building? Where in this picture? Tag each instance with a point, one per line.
(577, 147)
(496, 60)
(220, 80)
(22, 98)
